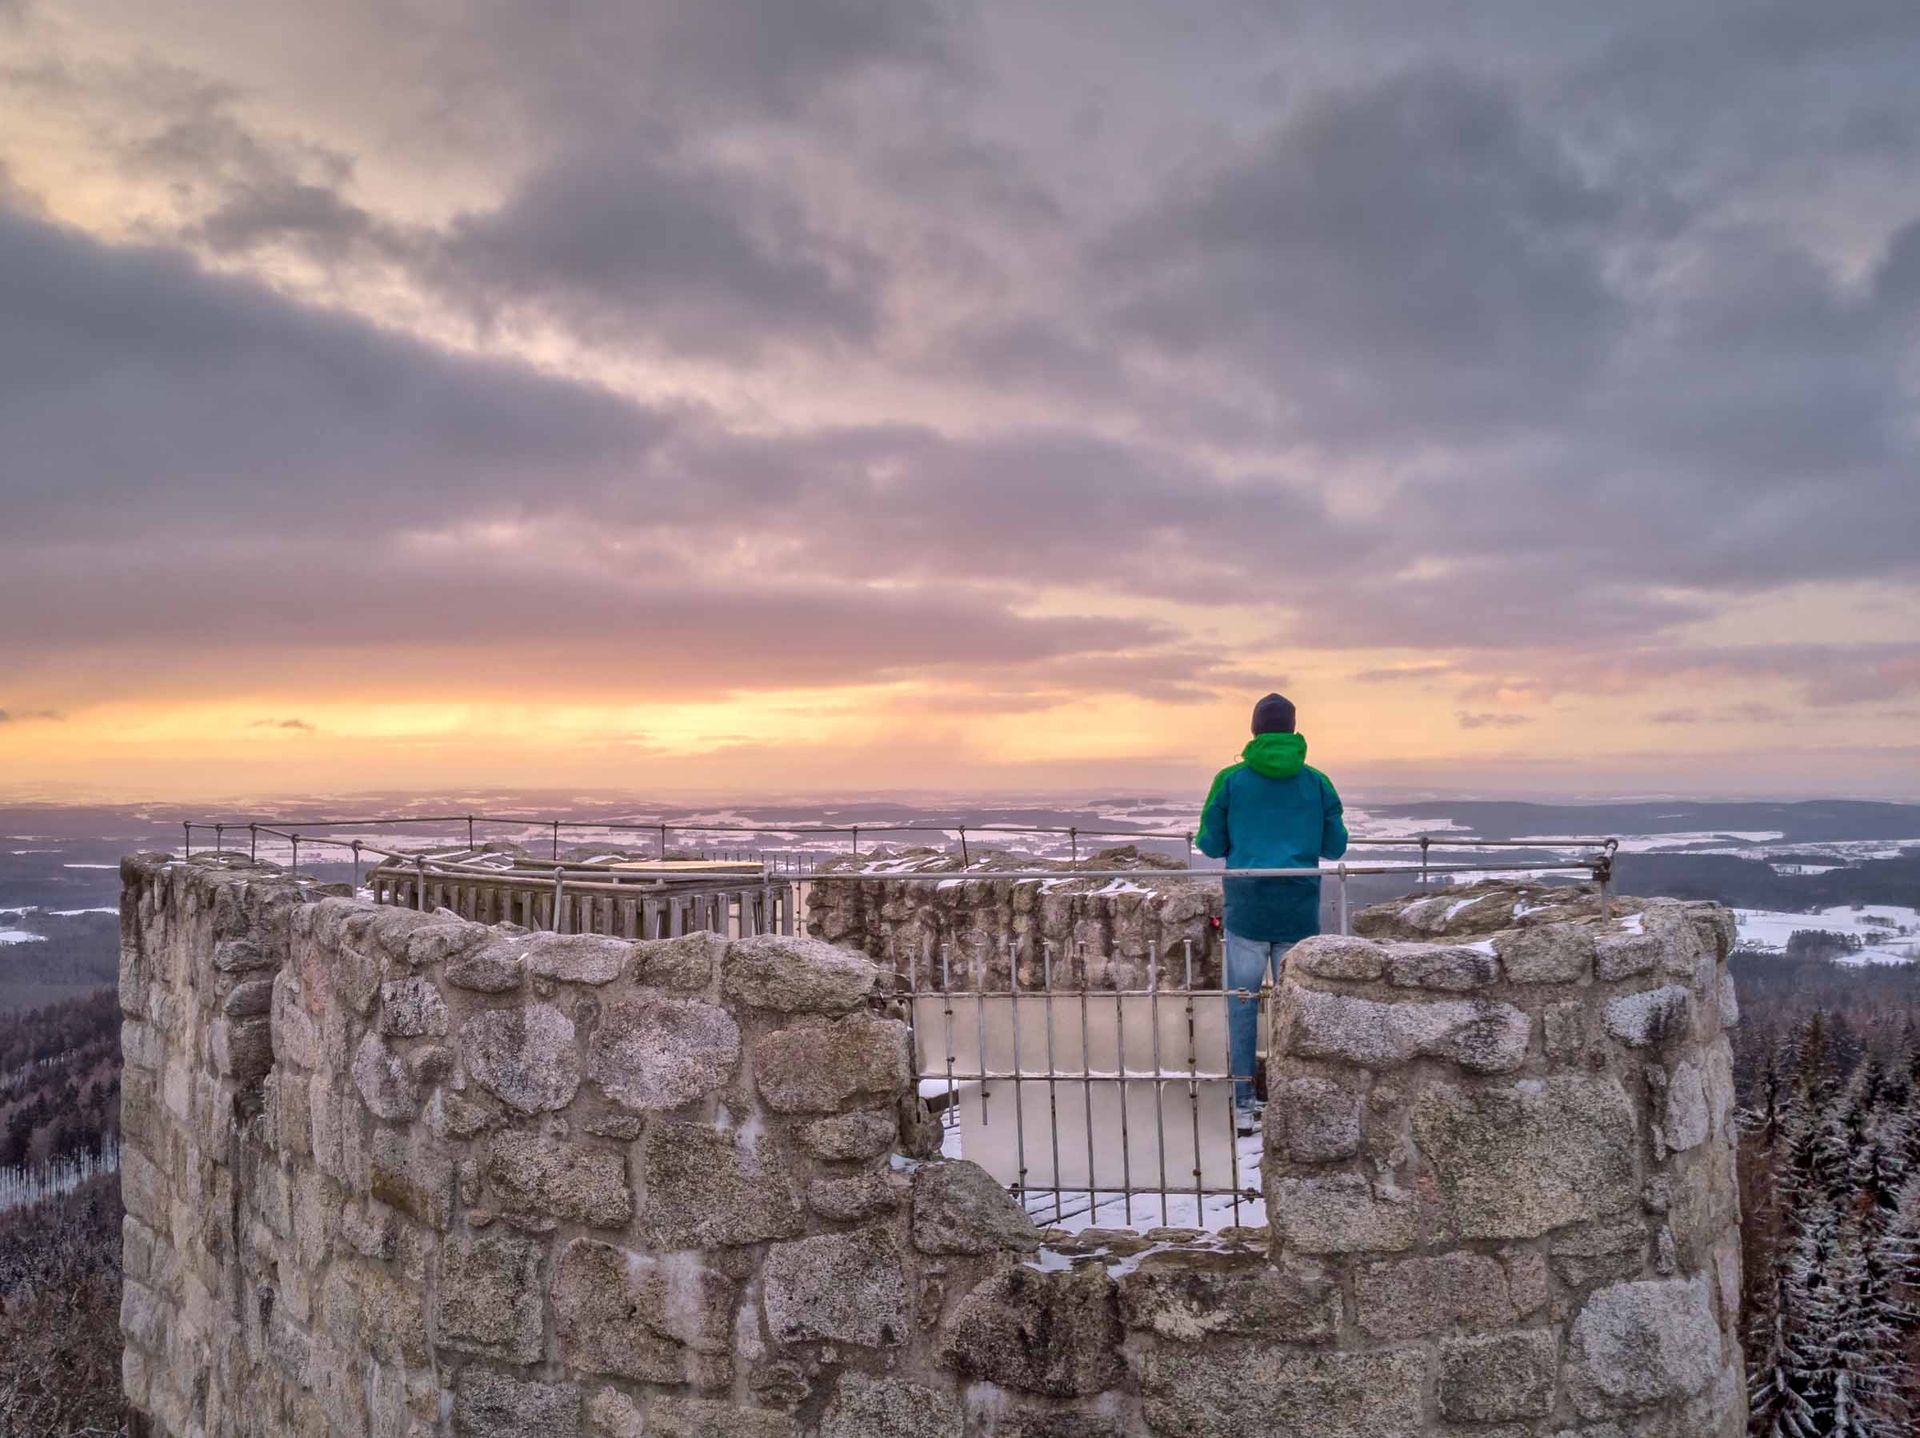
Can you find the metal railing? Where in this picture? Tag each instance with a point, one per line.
(1093, 1106)
(583, 899)
(1137, 1081)
(563, 898)
(1098, 1107)
(307, 829)
(555, 828)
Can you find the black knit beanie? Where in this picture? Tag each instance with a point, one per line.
(1273, 715)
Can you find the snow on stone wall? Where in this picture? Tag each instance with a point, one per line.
(395, 1173)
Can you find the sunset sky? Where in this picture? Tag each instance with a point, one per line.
(756, 396)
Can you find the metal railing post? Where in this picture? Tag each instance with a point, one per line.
(1019, 1094)
(253, 841)
(186, 828)
(1346, 921)
(556, 838)
(356, 866)
(1193, 1091)
(219, 838)
(294, 870)
(559, 895)
(469, 831)
(1425, 845)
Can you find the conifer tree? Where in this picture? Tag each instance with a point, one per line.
(1862, 1395)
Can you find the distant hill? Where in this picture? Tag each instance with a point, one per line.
(1805, 821)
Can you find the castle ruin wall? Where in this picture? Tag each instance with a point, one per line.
(395, 1173)
(1095, 933)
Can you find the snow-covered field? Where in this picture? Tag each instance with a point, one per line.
(1705, 843)
(1888, 933)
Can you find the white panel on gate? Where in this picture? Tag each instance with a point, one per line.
(1078, 1132)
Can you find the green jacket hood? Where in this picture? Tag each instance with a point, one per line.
(1276, 756)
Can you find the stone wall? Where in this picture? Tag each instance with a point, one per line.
(1100, 933)
(395, 1173)
(1513, 1156)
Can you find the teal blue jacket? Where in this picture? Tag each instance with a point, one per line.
(1271, 811)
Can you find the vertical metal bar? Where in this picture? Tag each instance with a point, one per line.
(186, 826)
(219, 838)
(420, 885)
(1193, 1086)
(1019, 1094)
(1073, 838)
(356, 866)
(295, 868)
(253, 841)
(470, 831)
(1086, 1080)
(965, 861)
(951, 1113)
(1159, 1097)
(1189, 848)
(556, 838)
(1053, 1088)
(1120, 1056)
(980, 1023)
(913, 1016)
(1425, 845)
(663, 843)
(1346, 917)
(1233, 1119)
(559, 893)
(856, 841)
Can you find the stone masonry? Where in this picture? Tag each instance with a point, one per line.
(1097, 933)
(395, 1173)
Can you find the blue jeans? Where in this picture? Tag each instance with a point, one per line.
(1250, 963)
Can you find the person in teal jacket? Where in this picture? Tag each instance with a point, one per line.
(1269, 811)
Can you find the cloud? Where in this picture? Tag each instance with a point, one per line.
(1411, 249)
(1516, 351)
(1824, 675)
(299, 726)
(236, 411)
(1402, 674)
(18, 716)
(575, 67)
(626, 241)
(1491, 721)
